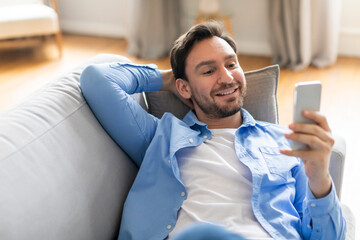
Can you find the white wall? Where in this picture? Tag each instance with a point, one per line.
(249, 21)
(349, 41)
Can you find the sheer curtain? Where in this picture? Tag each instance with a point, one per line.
(304, 32)
(153, 27)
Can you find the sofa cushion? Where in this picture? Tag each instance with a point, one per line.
(260, 100)
(61, 175)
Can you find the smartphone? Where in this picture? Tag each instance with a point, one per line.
(307, 96)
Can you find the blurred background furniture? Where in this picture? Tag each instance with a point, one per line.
(63, 177)
(209, 10)
(27, 23)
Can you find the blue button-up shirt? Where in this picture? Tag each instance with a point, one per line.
(281, 201)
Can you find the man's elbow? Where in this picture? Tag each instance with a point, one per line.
(90, 77)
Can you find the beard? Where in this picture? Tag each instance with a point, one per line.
(214, 110)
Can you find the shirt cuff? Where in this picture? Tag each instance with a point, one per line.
(321, 206)
(155, 79)
(148, 76)
(158, 81)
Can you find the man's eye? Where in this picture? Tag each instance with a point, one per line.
(231, 65)
(208, 72)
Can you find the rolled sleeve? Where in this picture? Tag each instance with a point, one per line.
(107, 89)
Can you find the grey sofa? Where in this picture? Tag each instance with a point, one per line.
(63, 177)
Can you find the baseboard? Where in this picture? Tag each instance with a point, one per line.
(349, 42)
(92, 28)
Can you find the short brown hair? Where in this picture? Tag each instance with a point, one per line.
(185, 42)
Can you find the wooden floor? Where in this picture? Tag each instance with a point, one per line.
(24, 70)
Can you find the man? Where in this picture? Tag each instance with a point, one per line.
(218, 165)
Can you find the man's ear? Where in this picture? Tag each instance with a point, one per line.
(183, 88)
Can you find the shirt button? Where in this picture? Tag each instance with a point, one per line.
(168, 227)
(191, 140)
(183, 194)
(313, 205)
(205, 137)
(170, 162)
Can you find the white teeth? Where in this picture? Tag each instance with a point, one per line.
(226, 93)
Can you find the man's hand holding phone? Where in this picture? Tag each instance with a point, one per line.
(316, 140)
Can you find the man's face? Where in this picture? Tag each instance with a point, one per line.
(216, 80)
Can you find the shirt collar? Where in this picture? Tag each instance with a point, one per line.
(248, 120)
(190, 119)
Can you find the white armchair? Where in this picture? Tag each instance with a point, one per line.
(23, 22)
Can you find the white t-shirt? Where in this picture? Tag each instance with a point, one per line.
(219, 187)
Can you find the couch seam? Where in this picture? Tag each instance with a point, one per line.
(43, 133)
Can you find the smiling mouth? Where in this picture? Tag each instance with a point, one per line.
(227, 92)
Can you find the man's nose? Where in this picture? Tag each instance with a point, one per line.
(225, 76)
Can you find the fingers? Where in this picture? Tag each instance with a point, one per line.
(317, 136)
(311, 140)
(303, 154)
(318, 118)
(316, 158)
(305, 132)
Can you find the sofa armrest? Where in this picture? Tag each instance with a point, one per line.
(337, 162)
